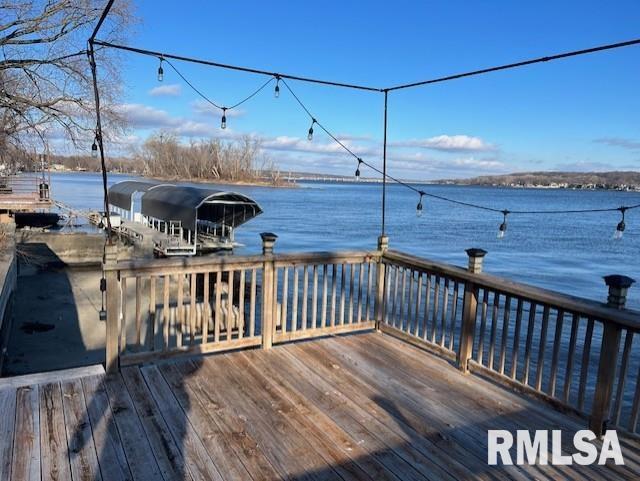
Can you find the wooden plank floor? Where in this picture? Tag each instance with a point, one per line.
(360, 407)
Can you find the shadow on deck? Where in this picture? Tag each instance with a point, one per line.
(358, 407)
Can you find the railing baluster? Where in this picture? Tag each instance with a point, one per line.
(180, 310)
(359, 300)
(506, 317)
(352, 269)
(139, 311)
(230, 311)
(152, 313)
(217, 321)
(314, 299)
(516, 340)
(533, 308)
(483, 325)
(334, 290)
(252, 303)
(445, 311)
(294, 313)
(123, 319)
(427, 302)
(343, 295)
(584, 367)
(241, 305)
(369, 290)
(568, 377)
(192, 310)
(410, 304)
(305, 294)
(542, 347)
(166, 311)
(454, 315)
(396, 278)
(494, 329)
(206, 307)
(285, 300)
(325, 286)
(416, 331)
(622, 377)
(557, 338)
(436, 301)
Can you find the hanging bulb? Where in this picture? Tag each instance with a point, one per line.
(419, 206)
(621, 225)
(276, 92)
(160, 71)
(223, 122)
(358, 169)
(310, 134)
(502, 230)
(94, 149)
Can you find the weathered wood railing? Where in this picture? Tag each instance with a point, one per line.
(163, 308)
(575, 353)
(564, 349)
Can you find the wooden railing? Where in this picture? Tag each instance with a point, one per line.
(162, 308)
(561, 348)
(580, 355)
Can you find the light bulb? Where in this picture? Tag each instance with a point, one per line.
(94, 149)
(310, 134)
(358, 169)
(276, 92)
(619, 230)
(502, 230)
(419, 206)
(223, 122)
(160, 72)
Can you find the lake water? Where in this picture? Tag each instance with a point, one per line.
(568, 253)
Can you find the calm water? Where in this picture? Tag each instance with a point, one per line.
(568, 253)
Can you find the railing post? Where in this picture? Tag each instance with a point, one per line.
(113, 309)
(383, 245)
(268, 241)
(618, 287)
(470, 304)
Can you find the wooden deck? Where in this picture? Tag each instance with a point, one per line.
(359, 407)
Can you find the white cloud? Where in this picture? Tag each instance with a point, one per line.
(170, 90)
(619, 142)
(447, 143)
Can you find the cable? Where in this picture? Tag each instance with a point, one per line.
(207, 99)
(436, 196)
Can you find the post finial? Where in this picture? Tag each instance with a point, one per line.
(268, 241)
(618, 287)
(476, 256)
(383, 243)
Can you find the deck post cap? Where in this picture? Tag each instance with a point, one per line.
(476, 252)
(618, 281)
(268, 236)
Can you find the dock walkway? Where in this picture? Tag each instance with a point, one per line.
(358, 407)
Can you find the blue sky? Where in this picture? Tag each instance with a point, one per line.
(576, 114)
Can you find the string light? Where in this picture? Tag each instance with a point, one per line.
(94, 149)
(358, 169)
(621, 225)
(419, 206)
(279, 77)
(310, 134)
(160, 71)
(502, 230)
(223, 122)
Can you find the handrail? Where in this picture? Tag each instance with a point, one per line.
(628, 318)
(225, 262)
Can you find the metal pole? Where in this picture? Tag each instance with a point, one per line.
(384, 164)
(92, 60)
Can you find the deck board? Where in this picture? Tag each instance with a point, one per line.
(364, 407)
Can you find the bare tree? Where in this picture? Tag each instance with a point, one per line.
(45, 77)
